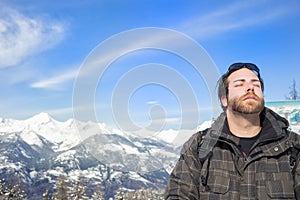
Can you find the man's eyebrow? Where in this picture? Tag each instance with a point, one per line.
(243, 80)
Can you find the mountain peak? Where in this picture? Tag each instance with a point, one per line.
(41, 118)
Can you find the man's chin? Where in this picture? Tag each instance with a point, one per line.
(249, 110)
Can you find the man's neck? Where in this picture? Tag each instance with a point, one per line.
(243, 125)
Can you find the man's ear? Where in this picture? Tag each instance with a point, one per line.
(224, 101)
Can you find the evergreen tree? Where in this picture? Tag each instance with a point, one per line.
(294, 94)
(46, 194)
(12, 191)
(61, 188)
(141, 194)
(98, 194)
(2, 187)
(79, 190)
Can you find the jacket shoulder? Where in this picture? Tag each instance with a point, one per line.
(294, 137)
(194, 141)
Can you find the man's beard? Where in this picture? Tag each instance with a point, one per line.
(239, 104)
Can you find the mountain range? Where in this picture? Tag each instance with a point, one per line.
(39, 150)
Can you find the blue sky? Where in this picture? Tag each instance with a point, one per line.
(45, 45)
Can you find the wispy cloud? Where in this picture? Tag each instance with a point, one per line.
(152, 102)
(235, 16)
(56, 82)
(22, 36)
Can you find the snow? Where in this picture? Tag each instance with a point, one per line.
(289, 110)
(67, 154)
(56, 172)
(40, 118)
(119, 132)
(295, 128)
(11, 166)
(31, 138)
(129, 149)
(204, 125)
(167, 135)
(176, 137)
(33, 174)
(112, 147)
(137, 177)
(25, 154)
(63, 134)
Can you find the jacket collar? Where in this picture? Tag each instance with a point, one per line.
(273, 126)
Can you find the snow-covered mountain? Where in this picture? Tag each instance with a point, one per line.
(40, 149)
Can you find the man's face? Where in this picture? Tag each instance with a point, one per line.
(244, 92)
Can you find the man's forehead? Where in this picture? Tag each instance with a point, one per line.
(242, 74)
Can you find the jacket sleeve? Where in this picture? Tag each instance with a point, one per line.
(296, 171)
(185, 178)
(297, 180)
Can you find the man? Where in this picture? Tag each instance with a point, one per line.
(248, 153)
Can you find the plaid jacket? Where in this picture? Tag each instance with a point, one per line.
(211, 165)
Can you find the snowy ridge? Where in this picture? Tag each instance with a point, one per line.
(64, 134)
(72, 132)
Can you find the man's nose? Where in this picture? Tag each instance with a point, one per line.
(250, 87)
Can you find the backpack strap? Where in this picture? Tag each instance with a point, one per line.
(205, 171)
(205, 146)
(294, 150)
(206, 143)
(202, 149)
(294, 155)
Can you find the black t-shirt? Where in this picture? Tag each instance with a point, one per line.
(245, 144)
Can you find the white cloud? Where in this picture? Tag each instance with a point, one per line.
(22, 36)
(152, 102)
(55, 82)
(238, 15)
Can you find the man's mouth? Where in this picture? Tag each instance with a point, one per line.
(250, 97)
